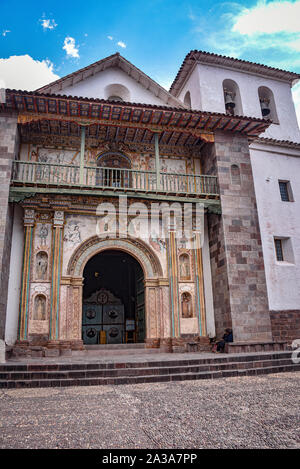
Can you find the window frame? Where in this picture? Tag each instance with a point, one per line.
(289, 191)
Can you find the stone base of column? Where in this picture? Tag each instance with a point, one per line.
(38, 340)
(53, 344)
(190, 343)
(41, 346)
(2, 351)
(166, 345)
(152, 343)
(77, 344)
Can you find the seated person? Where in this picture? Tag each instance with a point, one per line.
(227, 337)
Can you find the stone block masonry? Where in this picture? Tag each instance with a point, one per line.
(8, 149)
(239, 284)
(286, 325)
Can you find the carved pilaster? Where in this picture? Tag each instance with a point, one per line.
(29, 221)
(199, 284)
(58, 224)
(173, 276)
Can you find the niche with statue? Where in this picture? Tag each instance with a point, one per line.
(184, 267)
(41, 266)
(39, 309)
(186, 305)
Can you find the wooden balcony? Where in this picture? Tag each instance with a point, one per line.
(46, 177)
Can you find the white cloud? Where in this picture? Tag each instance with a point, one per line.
(269, 29)
(295, 44)
(122, 44)
(70, 47)
(5, 32)
(110, 38)
(48, 24)
(269, 18)
(23, 72)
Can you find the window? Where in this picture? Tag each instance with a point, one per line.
(232, 98)
(113, 170)
(267, 104)
(187, 100)
(284, 249)
(285, 191)
(278, 249)
(117, 92)
(114, 98)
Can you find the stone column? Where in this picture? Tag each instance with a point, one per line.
(58, 224)
(199, 284)
(82, 150)
(29, 221)
(9, 139)
(173, 278)
(152, 303)
(239, 284)
(157, 161)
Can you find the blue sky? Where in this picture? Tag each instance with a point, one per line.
(41, 41)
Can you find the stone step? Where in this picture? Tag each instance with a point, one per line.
(134, 371)
(86, 365)
(122, 347)
(97, 381)
(89, 371)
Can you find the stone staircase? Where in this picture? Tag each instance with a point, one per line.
(152, 370)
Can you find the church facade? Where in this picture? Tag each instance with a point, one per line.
(130, 214)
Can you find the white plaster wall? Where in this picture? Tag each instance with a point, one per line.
(15, 272)
(210, 97)
(208, 293)
(94, 87)
(278, 218)
(193, 86)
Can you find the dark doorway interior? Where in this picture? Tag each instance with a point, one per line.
(113, 299)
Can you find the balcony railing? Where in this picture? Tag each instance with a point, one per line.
(116, 179)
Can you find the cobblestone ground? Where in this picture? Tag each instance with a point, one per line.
(243, 412)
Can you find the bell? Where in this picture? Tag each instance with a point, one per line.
(265, 110)
(229, 101)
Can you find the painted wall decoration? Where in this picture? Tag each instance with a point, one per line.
(56, 156)
(72, 234)
(157, 243)
(43, 231)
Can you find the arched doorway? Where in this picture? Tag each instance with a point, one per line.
(113, 170)
(113, 302)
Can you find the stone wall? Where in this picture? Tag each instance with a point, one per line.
(218, 261)
(285, 325)
(8, 149)
(239, 282)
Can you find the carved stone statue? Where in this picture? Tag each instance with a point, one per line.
(184, 267)
(43, 233)
(39, 308)
(41, 265)
(186, 305)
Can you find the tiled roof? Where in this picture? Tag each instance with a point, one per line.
(99, 112)
(114, 60)
(280, 143)
(208, 58)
